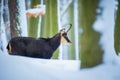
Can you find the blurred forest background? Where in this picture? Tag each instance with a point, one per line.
(16, 20)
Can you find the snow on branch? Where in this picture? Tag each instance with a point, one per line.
(38, 10)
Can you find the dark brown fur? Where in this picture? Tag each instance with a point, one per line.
(35, 47)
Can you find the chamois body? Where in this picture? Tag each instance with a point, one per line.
(37, 47)
(34, 47)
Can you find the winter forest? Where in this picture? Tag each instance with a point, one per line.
(94, 51)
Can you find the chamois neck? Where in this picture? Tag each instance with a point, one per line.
(55, 41)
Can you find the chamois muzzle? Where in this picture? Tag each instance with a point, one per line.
(64, 37)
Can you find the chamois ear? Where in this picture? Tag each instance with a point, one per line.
(62, 30)
(66, 29)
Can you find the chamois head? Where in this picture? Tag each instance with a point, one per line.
(64, 37)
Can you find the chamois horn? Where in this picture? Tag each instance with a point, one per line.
(70, 25)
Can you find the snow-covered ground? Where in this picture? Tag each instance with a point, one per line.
(22, 68)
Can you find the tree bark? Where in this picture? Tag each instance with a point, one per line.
(13, 11)
(117, 31)
(90, 49)
(32, 21)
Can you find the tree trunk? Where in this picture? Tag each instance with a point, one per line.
(117, 31)
(90, 49)
(14, 22)
(50, 21)
(33, 22)
(71, 14)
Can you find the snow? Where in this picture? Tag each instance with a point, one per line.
(23, 68)
(2, 32)
(105, 25)
(39, 10)
(22, 17)
(76, 35)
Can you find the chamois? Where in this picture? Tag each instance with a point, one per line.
(37, 47)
